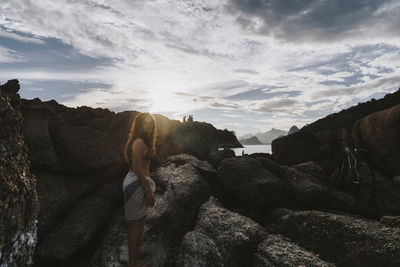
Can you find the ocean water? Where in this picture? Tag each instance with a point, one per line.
(249, 149)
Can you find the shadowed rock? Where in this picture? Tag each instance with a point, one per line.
(277, 250)
(343, 240)
(81, 224)
(312, 168)
(244, 179)
(295, 148)
(220, 238)
(84, 150)
(392, 221)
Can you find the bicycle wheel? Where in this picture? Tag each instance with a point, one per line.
(366, 186)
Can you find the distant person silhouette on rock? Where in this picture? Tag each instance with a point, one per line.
(184, 118)
(190, 119)
(138, 187)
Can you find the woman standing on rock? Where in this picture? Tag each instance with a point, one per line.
(138, 187)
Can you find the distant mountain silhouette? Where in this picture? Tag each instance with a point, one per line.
(272, 134)
(293, 129)
(250, 141)
(266, 137)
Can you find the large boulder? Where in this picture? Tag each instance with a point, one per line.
(381, 130)
(308, 191)
(195, 138)
(173, 214)
(220, 238)
(277, 250)
(18, 198)
(341, 239)
(295, 148)
(312, 168)
(247, 182)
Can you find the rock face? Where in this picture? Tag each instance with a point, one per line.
(195, 138)
(343, 240)
(277, 250)
(75, 152)
(246, 181)
(222, 212)
(381, 130)
(295, 148)
(83, 150)
(18, 198)
(220, 238)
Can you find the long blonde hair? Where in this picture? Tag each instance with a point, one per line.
(136, 131)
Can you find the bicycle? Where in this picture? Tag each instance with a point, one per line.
(357, 177)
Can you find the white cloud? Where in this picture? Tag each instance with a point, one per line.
(9, 55)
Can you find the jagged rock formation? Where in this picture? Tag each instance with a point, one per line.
(18, 198)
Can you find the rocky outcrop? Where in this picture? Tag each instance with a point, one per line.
(227, 139)
(293, 129)
(220, 238)
(77, 158)
(195, 138)
(381, 130)
(18, 198)
(181, 189)
(341, 239)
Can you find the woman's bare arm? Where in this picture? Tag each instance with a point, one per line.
(138, 148)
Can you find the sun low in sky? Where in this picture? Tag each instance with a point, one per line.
(247, 66)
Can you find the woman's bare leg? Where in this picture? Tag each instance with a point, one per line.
(134, 236)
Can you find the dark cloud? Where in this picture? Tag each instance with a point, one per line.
(313, 19)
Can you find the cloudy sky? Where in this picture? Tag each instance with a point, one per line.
(247, 66)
